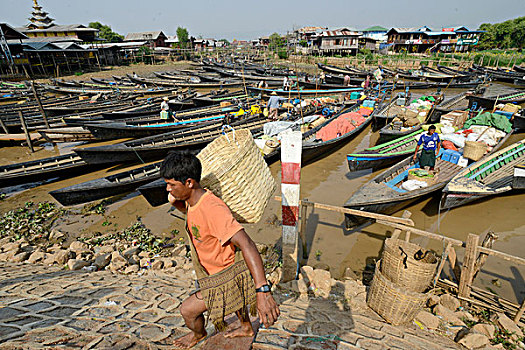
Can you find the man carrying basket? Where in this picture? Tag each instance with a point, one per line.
(229, 269)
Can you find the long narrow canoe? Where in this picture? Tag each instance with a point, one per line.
(107, 186)
(295, 93)
(489, 177)
(383, 155)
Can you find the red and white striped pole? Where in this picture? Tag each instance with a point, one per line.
(291, 149)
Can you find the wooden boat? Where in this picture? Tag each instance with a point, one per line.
(334, 69)
(489, 102)
(112, 131)
(389, 133)
(156, 147)
(107, 186)
(157, 82)
(71, 134)
(491, 176)
(314, 148)
(519, 69)
(383, 194)
(383, 155)
(518, 179)
(37, 170)
(518, 121)
(294, 93)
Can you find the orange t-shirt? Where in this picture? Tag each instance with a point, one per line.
(211, 225)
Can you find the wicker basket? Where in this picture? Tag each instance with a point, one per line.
(474, 150)
(234, 169)
(395, 304)
(400, 266)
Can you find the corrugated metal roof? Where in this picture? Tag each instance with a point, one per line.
(328, 33)
(143, 36)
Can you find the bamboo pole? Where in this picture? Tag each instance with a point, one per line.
(4, 127)
(442, 262)
(467, 270)
(520, 312)
(24, 127)
(385, 218)
(40, 107)
(406, 214)
(419, 232)
(488, 242)
(302, 231)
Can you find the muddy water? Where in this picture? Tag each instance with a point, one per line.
(328, 243)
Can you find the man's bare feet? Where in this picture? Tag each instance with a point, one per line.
(188, 341)
(245, 330)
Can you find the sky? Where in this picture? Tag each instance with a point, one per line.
(249, 19)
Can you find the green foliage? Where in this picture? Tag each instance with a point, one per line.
(504, 35)
(303, 43)
(183, 36)
(137, 234)
(225, 41)
(282, 53)
(276, 42)
(95, 208)
(32, 221)
(105, 32)
(502, 336)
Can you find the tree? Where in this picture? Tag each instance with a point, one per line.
(105, 32)
(276, 41)
(504, 35)
(225, 41)
(182, 35)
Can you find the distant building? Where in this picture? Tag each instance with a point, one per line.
(41, 28)
(152, 39)
(308, 34)
(338, 41)
(377, 33)
(204, 44)
(424, 39)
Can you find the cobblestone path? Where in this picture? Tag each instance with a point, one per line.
(49, 308)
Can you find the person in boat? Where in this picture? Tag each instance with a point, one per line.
(263, 84)
(431, 145)
(285, 83)
(135, 75)
(367, 83)
(229, 269)
(165, 112)
(346, 80)
(273, 105)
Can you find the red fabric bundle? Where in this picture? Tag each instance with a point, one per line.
(364, 111)
(340, 126)
(449, 145)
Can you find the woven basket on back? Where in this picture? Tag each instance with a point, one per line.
(474, 150)
(400, 266)
(395, 304)
(234, 169)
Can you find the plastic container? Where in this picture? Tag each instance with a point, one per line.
(355, 95)
(462, 162)
(451, 156)
(401, 101)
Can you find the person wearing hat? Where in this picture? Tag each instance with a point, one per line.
(165, 112)
(273, 105)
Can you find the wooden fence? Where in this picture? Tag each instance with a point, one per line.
(474, 257)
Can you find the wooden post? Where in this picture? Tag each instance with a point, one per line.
(302, 231)
(519, 313)
(291, 149)
(406, 214)
(4, 127)
(467, 270)
(40, 107)
(442, 262)
(452, 259)
(24, 127)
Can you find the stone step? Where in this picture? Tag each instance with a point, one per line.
(219, 341)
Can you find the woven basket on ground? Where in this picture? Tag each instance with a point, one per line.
(234, 169)
(400, 266)
(395, 304)
(474, 150)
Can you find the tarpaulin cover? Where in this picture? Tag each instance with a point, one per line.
(490, 119)
(341, 125)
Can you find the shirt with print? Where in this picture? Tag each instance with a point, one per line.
(430, 142)
(211, 225)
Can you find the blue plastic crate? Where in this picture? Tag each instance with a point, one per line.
(451, 156)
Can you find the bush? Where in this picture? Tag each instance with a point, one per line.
(282, 53)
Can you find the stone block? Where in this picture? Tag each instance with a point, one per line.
(449, 302)
(76, 264)
(79, 247)
(428, 320)
(22, 256)
(103, 260)
(37, 256)
(507, 324)
(484, 328)
(62, 256)
(474, 341)
(448, 315)
(128, 253)
(131, 269)
(157, 265)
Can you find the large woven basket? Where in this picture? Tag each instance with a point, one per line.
(234, 169)
(474, 150)
(395, 304)
(400, 266)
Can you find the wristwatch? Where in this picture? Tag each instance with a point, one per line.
(263, 289)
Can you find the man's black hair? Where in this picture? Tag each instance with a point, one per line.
(181, 166)
(432, 127)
